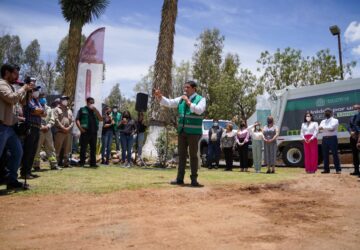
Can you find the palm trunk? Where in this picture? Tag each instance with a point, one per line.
(160, 116)
(72, 62)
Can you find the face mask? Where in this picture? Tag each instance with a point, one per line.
(308, 119)
(216, 124)
(257, 128)
(64, 102)
(42, 101)
(114, 110)
(327, 115)
(269, 122)
(36, 94)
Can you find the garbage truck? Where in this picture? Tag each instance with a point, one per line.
(289, 105)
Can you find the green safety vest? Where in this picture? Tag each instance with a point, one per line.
(84, 118)
(116, 117)
(189, 122)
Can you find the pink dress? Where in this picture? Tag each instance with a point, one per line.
(310, 131)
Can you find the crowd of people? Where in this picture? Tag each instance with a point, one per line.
(29, 125)
(228, 141)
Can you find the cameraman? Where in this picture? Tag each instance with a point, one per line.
(8, 138)
(33, 111)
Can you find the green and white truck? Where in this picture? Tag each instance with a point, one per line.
(289, 105)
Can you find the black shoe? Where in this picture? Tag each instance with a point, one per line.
(196, 184)
(15, 185)
(325, 172)
(354, 173)
(94, 166)
(227, 169)
(56, 168)
(338, 172)
(268, 171)
(177, 182)
(28, 177)
(35, 175)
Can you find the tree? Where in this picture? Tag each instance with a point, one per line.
(162, 73)
(78, 13)
(115, 97)
(290, 68)
(207, 60)
(32, 59)
(234, 95)
(61, 61)
(11, 50)
(47, 76)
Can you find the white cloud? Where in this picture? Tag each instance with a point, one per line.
(356, 50)
(352, 32)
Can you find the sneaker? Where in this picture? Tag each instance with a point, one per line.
(35, 175)
(268, 171)
(28, 177)
(325, 172)
(338, 172)
(56, 168)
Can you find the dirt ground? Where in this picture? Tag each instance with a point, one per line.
(312, 212)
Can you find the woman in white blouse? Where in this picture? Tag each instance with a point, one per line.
(257, 145)
(309, 131)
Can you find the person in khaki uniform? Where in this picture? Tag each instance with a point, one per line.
(64, 123)
(46, 138)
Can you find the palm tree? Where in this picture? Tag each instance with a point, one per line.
(78, 13)
(162, 72)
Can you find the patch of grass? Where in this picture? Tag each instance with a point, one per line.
(114, 178)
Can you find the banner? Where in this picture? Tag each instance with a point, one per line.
(341, 103)
(90, 72)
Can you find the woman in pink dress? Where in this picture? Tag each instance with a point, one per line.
(309, 131)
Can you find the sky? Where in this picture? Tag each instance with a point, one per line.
(249, 27)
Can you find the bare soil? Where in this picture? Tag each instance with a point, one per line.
(312, 212)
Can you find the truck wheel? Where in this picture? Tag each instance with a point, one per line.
(204, 151)
(293, 155)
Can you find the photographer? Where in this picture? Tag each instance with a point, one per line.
(33, 111)
(8, 99)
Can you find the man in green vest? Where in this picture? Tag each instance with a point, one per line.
(190, 107)
(87, 120)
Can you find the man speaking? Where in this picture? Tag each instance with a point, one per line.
(190, 107)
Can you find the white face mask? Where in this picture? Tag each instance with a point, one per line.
(35, 94)
(216, 124)
(64, 102)
(114, 110)
(308, 119)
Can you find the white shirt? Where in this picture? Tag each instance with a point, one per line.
(311, 129)
(330, 126)
(255, 135)
(173, 103)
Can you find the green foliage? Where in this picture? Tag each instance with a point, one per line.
(207, 60)
(165, 145)
(234, 95)
(32, 59)
(115, 98)
(11, 50)
(289, 67)
(82, 11)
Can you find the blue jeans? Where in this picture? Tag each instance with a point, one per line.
(330, 143)
(106, 140)
(140, 137)
(126, 146)
(213, 154)
(11, 141)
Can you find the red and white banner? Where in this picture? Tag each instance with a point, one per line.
(90, 71)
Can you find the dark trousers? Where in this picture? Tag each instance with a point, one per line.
(330, 143)
(85, 139)
(185, 142)
(243, 155)
(213, 154)
(31, 142)
(355, 153)
(228, 153)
